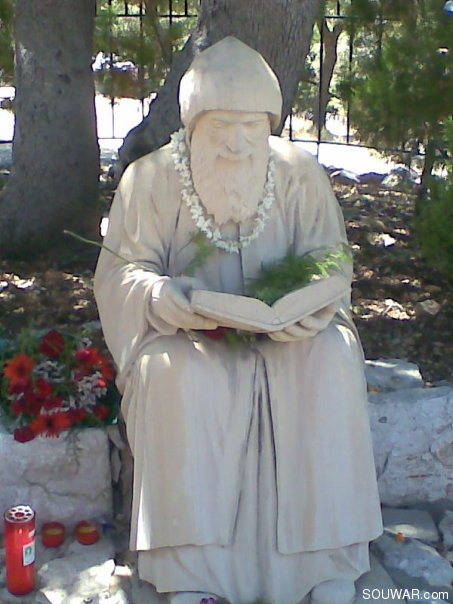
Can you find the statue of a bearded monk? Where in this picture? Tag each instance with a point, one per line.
(253, 466)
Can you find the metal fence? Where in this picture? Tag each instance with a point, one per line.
(179, 10)
(132, 14)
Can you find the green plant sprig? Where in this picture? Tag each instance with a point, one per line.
(293, 272)
(203, 251)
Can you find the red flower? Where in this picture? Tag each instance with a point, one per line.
(43, 389)
(37, 396)
(90, 358)
(87, 356)
(18, 370)
(23, 435)
(77, 416)
(33, 402)
(216, 334)
(106, 369)
(52, 344)
(18, 387)
(101, 412)
(17, 407)
(54, 402)
(51, 425)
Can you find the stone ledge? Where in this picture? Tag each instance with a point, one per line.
(65, 479)
(413, 445)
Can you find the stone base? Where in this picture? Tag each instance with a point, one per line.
(66, 479)
(413, 445)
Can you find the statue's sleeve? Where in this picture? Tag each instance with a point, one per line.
(318, 220)
(131, 262)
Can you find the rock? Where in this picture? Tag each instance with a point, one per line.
(345, 177)
(412, 433)
(376, 583)
(82, 575)
(371, 178)
(66, 479)
(392, 374)
(415, 565)
(71, 574)
(387, 240)
(413, 524)
(399, 176)
(446, 528)
(428, 308)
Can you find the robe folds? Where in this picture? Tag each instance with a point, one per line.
(188, 400)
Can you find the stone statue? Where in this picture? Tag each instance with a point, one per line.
(253, 466)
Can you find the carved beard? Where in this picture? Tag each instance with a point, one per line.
(229, 189)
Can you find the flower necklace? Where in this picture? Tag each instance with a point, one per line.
(203, 221)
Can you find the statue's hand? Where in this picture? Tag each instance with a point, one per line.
(307, 328)
(170, 302)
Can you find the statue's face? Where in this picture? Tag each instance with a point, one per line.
(229, 152)
(233, 135)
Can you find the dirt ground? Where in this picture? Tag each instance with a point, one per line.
(402, 308)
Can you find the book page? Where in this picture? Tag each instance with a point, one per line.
(250, 314)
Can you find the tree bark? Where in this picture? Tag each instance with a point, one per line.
(280, 30)
(329, 47)
(54, 180)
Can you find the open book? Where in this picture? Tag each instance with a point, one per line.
(251, 314)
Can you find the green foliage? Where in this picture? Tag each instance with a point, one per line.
(434, 228)
(6, 42)
(401, 93)
(434, 225)
(293, 272)
(147, 45)
(203, 251)
(146, 42)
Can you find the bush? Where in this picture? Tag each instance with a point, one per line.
(434, 228)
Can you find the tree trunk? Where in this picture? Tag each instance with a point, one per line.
(280, 30)
(427, 175)
(329, 47)
(54, 180)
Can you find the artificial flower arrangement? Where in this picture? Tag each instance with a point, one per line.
(53, 382)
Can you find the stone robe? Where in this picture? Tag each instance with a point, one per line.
(188, 400)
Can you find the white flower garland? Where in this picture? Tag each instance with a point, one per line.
(203, 221)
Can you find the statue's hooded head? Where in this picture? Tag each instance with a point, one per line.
(230, 98)
(229, 76)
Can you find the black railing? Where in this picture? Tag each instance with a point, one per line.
(179, 10)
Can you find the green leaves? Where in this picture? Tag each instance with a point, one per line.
(403, 91)
(293, 272)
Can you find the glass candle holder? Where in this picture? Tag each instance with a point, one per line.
(52, 534)
(20, 549)
(87, 533)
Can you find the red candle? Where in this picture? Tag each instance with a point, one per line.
(52, 534)
(86, 533)
(20, 549)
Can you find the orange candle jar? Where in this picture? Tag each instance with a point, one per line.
(87, 533)
(20, 549)
(52, 534)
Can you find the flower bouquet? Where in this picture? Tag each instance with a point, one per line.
(51, 382)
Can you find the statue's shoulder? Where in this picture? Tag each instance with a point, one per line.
(291, 156)
(153, 175)
(152, 163)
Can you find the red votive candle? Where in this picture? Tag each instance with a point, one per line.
(87, 533)
(52, 534)
(20, 549)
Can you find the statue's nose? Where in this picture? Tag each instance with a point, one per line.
(237, 141)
